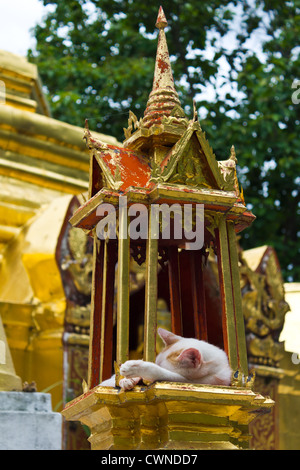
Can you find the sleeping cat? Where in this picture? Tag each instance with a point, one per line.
(182, 360)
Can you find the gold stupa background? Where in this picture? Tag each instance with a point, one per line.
(46, 268)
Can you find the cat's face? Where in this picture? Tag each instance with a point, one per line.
(180, 354)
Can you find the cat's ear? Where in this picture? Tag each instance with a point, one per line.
(190, 357)
(167, 336)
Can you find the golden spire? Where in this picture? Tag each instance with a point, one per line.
(163, 97)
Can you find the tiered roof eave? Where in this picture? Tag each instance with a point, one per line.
(165, 157)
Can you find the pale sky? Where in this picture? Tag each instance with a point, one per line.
(16, 19)
(18, 16)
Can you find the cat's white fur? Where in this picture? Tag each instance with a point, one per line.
(182, 360)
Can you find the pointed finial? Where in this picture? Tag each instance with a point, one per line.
(87, 133)
(195, 118)
(161, 22)
(233, 154)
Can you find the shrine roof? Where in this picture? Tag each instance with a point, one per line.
(121, 167)
(127, 167)
(165, 157)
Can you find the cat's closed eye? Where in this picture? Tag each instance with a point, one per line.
(173, 356)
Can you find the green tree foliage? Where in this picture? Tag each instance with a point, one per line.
(96, 59)
(265, 129)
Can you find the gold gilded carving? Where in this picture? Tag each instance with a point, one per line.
(192, 162)
(214, 221)
(228, 170)
(176, 117)
(163, 175)
(183, 416)
(187, 163)
(156, 172)
(210, 156)
(264, 307)
(133, 123)
(189, 170)
(178, 112)
(263, 428)
(90, 142)
(205, 144)
(78, 261)
(79, 315)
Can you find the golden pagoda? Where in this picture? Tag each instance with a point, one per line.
(166, 160)
(44, 170)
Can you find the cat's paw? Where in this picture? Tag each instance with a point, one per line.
(132, 368)
(129, 383)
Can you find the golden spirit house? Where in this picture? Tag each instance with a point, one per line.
(165, 159)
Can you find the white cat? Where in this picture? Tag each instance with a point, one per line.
(182, 360)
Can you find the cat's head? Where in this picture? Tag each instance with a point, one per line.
(179, 353)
